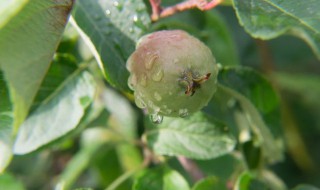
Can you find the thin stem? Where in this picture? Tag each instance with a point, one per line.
(121, 179)
(191, 168)
(266, 56)
(127, 175)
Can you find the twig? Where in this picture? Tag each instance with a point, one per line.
(191, 168)
(266, 56)
(159, 12)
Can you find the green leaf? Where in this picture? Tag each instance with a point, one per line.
(259, 107)
(58, 114)
(6, 121)
(248, 182)
(62, 67)
(197, 136)
(305, 187)
(8, 182)
(160, 178)
(210, 183)
(249, 117)
(252, 85)
(27, 44)
(268, 19)
(110, 29)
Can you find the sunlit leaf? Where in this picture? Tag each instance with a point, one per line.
(58, 114)
(27, 44)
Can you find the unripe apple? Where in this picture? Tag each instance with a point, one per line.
(172, 73)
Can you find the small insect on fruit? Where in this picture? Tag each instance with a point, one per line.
(172, 73)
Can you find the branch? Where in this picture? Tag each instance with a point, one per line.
(191, 168)
(159, 12)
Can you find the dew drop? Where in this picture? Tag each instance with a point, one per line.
(135, 18)
(132, 81)
(117, 5)
(143, 80)
(139, 102)
(156, 118)
(157, 96)
(149, 63)
(183, 112)
(138, 22)
(108, 12)
(157, 74)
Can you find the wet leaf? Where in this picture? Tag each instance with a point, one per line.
(111, 29)
(197, 137)
(268, 19)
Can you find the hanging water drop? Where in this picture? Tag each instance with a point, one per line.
(156, 118)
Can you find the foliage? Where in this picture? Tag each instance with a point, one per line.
(68, 119)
